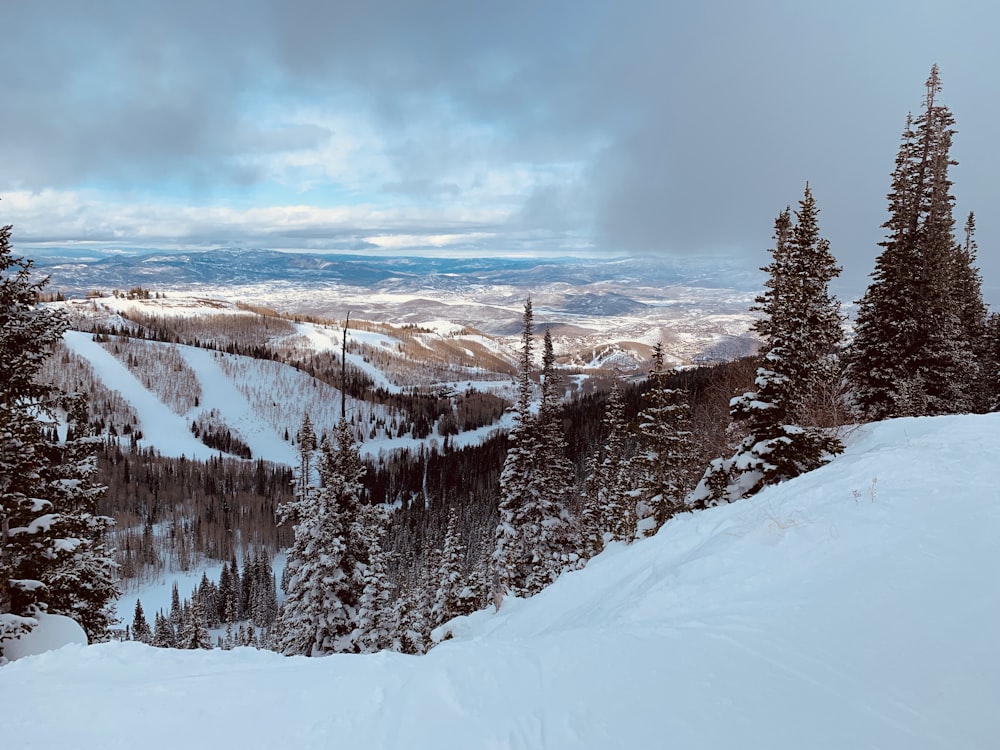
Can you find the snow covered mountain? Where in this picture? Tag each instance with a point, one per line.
(158, 391)
(852, 607)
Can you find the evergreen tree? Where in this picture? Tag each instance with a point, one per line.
(509, 549)
(140, 626)
(319, 615)
(532, 543)
(801, 331)
(973, 317)
(206, 595)
(664, 466)
(52, 556)
(81, 582)
(195, 628)
(411, 618)
(225, 602)
(234, 601)
(375, 621)
(263, 596)
(246, 583)
(610, 504)
(176, 612)
(164, 635)
(555, 491)
(920, 321)
(448, 599)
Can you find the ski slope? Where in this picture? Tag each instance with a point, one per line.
(854, 607)
(261, 400)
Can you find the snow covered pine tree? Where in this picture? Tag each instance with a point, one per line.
(52, 557)
(532, 544)
(328, 565)
(802, 333)
(664, 465)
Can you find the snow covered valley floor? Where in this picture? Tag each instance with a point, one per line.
(854, 607)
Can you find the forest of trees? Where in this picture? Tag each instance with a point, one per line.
(380, 553)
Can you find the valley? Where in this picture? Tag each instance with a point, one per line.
(602, 313)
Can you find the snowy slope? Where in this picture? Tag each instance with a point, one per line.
(170, 433)
(854, 607)
(262, 400)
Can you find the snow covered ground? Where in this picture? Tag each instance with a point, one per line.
(855, 607)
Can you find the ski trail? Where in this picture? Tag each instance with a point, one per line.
(237, 412)
(162, 429)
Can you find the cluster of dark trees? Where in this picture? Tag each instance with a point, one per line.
(248, 601)
(171, 512)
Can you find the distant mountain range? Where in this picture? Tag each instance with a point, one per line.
(697, 306)
(77, 270)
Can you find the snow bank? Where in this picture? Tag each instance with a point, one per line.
(52, 632)
(854, 607)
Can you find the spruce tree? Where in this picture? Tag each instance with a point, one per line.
(140, 626)
(175, 606)
(533, 541)
(375, 624)
(52, 554)
(920, 320)
(82, 582)
(610, 503)
(510, 546)
(164, 635)
(664, 464)
(319, 615)
(801, 329)
(450, 599)
(973, 317)
(196, 634)
(555, 492)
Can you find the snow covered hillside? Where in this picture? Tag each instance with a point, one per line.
(853, 607)
(162, 387)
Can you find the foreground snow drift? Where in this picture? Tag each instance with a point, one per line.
(855, 607)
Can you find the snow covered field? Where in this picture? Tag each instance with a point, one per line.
(854, 607)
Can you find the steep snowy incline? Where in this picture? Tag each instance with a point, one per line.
(220, 392)
(323, 340)
(854, 607)
(162, 429)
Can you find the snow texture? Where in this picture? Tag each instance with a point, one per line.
(52, 632)
(852, 607)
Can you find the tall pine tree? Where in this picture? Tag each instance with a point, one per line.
(324, 581)
(921, 320)
(610, 504)
(801, 329)
(52, 554)
(532, 544)
(664, 465)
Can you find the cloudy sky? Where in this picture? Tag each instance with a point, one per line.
(481, 127)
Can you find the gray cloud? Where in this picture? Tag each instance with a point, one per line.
(689, 127)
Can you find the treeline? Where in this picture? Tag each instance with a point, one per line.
(247, 600)
(170, 513)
